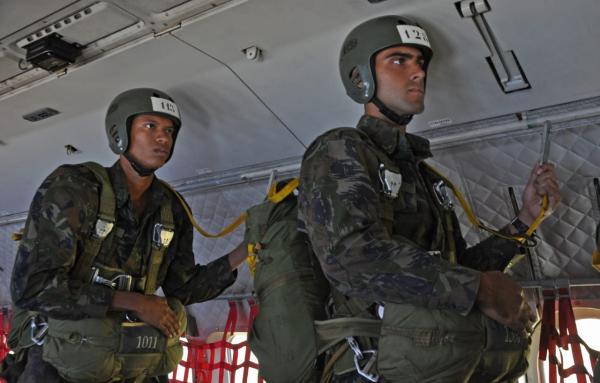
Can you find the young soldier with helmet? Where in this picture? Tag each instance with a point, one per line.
(97, 244)
(390, 247)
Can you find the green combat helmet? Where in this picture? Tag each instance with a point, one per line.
(129, 104)
(364, 42)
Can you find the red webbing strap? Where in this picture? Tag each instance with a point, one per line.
(247, 356)
(567, 337)
(5, 317)
(230, 327)
(3, 334)
(549, 335)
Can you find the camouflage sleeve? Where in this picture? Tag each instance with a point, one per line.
(492, 254)
(339, 208)
(63, 207)
(189, 282)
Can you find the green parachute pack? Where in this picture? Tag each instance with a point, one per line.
(290, 287)
(114, 348)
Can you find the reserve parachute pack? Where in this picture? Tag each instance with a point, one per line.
(290, 287)
(95, 350)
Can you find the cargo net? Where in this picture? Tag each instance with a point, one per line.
(227, 360)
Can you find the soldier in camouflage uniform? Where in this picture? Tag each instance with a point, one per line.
(380, 230)
(65, 207)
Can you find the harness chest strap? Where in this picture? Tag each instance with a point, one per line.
(103, 225)
(161, 237)
(162, 233)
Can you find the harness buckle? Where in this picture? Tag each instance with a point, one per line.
(441, 194)
(162, 236)
(359, 355)
(122, 282)
(102, 228)
(390, 182)
(38, 331)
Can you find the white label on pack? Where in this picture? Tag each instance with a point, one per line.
(393, 182)
(162, 105)
(411, 34)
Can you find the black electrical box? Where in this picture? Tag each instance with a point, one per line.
(52, 53)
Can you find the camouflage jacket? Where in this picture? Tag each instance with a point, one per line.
(61, 216)
(384, 254)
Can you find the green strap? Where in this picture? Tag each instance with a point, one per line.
(162, 234)
(108, 203)
(331, 331)
(103, 226)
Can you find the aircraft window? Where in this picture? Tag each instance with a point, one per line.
(588, 331)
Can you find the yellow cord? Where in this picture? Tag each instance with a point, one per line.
(476, 222)
(279, 196)
(251, 259)
(596, 259)
(231, 227)
(536, 223)
(17, 236)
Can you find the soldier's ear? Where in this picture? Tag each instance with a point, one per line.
(356, 79)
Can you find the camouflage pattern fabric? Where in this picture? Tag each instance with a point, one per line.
(378, 247)
(61, 217)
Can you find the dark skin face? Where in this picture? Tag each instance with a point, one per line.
(400, 76)
(151, 139)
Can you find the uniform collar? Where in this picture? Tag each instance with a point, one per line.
(393, 141)
(117, 177)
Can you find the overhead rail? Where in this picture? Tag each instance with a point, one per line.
(560, 283)
(527, 125)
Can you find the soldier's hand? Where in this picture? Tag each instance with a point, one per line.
(542, 181)
(502, 299)
(238, 255)
(156, 312)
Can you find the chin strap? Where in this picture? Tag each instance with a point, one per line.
(140, 169)
(393, 116)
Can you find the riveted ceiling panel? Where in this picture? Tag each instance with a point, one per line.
(156, 6)
(85, 25)
(9, 66)
(18, 14)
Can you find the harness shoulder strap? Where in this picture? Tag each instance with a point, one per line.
(103, 225)
(445, 207)
(162, 234)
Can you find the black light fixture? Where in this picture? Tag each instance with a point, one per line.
(52, 53)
